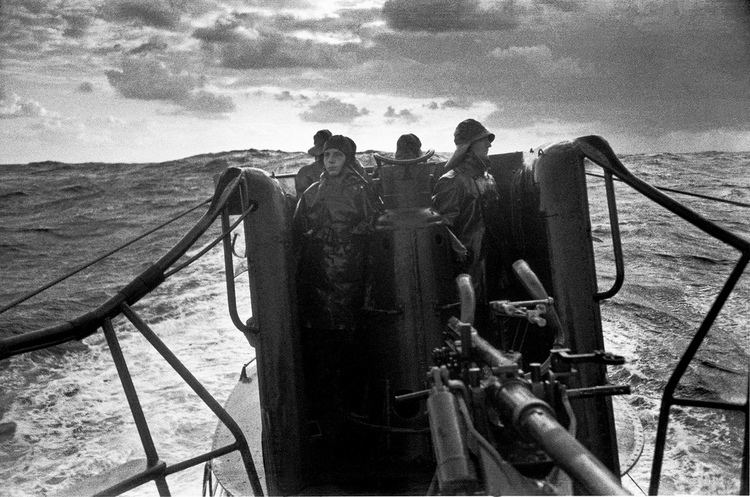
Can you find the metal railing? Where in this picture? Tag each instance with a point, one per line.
(101, 318)
(598, 151)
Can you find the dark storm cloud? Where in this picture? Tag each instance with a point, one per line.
(449, 15)
(150, 79)
(33, 6)
(76, 25)
(563, 5)
(251, 41)
(156, 13)
(154, 44)
(333, 110)
(662, 66)
(274, 50)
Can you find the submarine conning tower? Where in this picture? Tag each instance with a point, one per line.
(409, 273)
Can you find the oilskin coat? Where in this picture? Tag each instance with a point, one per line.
(331, 223)
(306, 176)
(467, 198)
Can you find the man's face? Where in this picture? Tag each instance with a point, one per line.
(334, 160)
(481, 147)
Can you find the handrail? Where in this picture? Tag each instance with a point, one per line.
(616, 241)
(240, 441)
(229, 266)
(87, 324)
(689, 194)
(599, 151)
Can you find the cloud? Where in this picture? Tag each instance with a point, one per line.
(273, 50)
(286, 95)
(203, 102)
(449, 15)
(248, 41)
(344, 21)
(86, 87)
(563, 5)
(226, 29)
(461, 103)
(150, 79)
(13, 106)
(154, 44)
(156, 13)
(77, 24)
(541, 60)
(332, 110)
(404, 114)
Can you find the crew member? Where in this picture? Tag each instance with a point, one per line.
(333, 219)
(309, 174)
(467, 198)
(408, 146)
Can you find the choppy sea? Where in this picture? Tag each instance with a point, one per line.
(64, 415)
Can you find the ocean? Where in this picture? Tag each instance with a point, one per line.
(69, 411)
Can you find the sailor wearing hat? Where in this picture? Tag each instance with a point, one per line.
(331, 228)
(467, 198)
(309, 174)
(331, 223)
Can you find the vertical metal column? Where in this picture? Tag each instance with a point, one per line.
(204, 395)
(152, 458)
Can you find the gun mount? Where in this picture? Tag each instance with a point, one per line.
(495, 427)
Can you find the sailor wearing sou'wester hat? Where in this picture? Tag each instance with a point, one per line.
(466, 196)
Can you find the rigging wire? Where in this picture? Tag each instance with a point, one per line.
(143, 235)
(212, 244)
(98, 259)
(682, 192)
(636, 484)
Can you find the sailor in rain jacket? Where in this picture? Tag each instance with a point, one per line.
(467, 198)
(331, 223)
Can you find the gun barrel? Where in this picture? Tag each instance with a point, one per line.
(455, 471)
(534, 418)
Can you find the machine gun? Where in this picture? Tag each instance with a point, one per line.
(499, 430)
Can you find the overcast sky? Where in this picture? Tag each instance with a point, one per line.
(152, 80)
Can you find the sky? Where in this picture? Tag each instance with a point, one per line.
(156, 80)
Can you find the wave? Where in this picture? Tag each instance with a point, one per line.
(650, 320)
(13, 194)
(88, 189)
(696, 258)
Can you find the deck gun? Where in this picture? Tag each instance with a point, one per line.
(499, 430)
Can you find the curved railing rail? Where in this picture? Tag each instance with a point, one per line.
(598, 151)
(87, 324)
